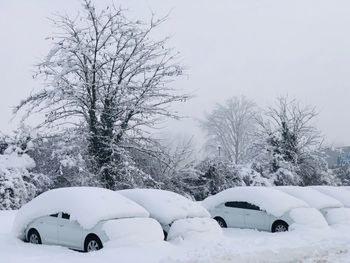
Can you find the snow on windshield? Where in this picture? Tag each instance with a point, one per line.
(165, 206)
(311, 196)
(87, 205)
(267, 198)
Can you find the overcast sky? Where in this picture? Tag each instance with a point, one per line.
(260, 49)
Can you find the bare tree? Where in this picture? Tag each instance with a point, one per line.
(286, 130)
(230, 128)
(106, 74)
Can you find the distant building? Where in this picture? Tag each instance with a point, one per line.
(338, 156)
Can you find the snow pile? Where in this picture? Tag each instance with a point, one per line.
(165, 206)
(87, 205)
(132, 231)
(16, 186)
(338, 216)
(15, 161)
(311, 196)
(195, 227)
(269, 199)
(306, 217)
(342, 195)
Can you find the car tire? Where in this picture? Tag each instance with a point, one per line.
(221, 222)
(34, 237)
(92, 243)
(279, 226)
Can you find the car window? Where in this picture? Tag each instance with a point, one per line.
(252, 207)
(236, 204)
(242, 205)
(65, 216)
(54, 215)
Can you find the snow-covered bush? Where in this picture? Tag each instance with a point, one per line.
(342, 175)
(14, 191)
(214, 175)
(18, 184)
(15, 188)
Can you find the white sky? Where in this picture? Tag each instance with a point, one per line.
(260, 49)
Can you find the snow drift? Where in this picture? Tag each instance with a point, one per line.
(15, 161)
(87, 205)
(269, 199)
(165, 206)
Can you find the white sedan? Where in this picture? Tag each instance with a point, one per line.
(262, 208)
(84, 219)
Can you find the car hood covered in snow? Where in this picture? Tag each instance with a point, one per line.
(128, 231)
(307, 217)
(195, 227)
(86, 205)
(269, 199)
(165, 206)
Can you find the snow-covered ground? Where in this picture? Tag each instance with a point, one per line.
(237, 245)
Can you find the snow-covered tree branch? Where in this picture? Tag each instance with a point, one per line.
(106, 74)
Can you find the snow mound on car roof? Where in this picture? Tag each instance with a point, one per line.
(87, 205)
(311, 196)
(269, 199)
(342, 195)
(165, 206)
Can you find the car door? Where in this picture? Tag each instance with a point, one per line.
(255, 218)
(70, 233)
(48, 229)
(234, 214)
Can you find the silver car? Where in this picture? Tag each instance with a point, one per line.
(57, 229)
(84, 219)
(262, 208)
(240, 214)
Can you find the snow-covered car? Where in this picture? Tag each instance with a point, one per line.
(333, 210)
(339, 193)
(84, 219)
(178, 215)
(262, 208)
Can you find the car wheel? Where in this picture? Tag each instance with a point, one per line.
(92, 243)
(221, 222)
(279, 226)
(34, 237)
